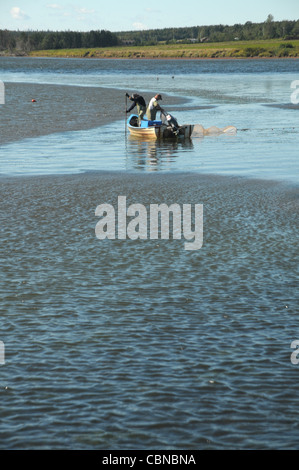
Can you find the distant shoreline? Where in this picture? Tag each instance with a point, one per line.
(46, 55)
(149, 58)
(260, 49)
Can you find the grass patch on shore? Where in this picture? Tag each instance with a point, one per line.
(232, 49)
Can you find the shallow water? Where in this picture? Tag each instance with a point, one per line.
(141, 344)
(268, 153)
(216, 93)
(122, 344)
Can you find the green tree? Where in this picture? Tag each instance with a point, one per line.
(269, 27)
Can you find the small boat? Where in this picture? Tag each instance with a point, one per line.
(157, 129)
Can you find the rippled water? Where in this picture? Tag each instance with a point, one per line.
(140, 344)
(253, 95)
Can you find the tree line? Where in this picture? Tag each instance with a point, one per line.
(41, 40)
(22, 41)
(269, 29)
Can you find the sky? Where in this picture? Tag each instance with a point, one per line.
(128, 15)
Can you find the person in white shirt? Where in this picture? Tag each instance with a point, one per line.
(153, 107)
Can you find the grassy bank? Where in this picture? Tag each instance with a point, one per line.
(233, 49)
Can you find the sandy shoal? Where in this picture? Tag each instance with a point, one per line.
(60, 108)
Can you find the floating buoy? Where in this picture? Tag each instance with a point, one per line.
(33, 101)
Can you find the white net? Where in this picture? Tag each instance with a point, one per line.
(200, 131)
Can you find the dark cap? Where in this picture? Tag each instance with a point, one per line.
(158, 97)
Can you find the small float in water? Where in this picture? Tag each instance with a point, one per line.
(166, 128)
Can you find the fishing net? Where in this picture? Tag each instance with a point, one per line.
(199, 130)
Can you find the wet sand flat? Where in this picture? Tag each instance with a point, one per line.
(60, 108)
(121, 343)
(136, 337)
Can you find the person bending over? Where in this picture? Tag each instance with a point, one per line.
(139, 102)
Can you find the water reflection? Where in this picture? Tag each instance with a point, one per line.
(152, 155)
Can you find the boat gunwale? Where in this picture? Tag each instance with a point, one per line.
(154, 131)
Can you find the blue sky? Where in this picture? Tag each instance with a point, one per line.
(126, 15)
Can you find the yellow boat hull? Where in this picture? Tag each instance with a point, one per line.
(159, 131)
(146, 132)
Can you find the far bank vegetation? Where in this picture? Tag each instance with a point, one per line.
(268, 39)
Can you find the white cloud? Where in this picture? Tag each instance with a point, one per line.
(151, 10)
(54, 6)
(86, 16)
(139, 26)
(85, 11)
(18, 14)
